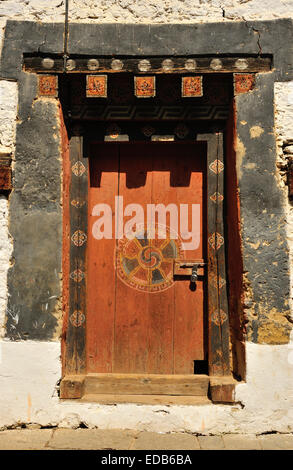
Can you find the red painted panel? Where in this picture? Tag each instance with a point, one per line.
(141, 319)
(103, 186)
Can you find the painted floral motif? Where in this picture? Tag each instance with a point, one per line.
(192, 87)
(96, 86)
(78, 169)
(77, 275)
(216, 166)
(214, 281)
(79, 238)
(48, 85)
(217, 197)
(219, 317)
(243, 82)
(216, 240)
(77, 318)
(144, 87)
(77, 204)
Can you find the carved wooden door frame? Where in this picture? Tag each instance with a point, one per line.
(74, 338)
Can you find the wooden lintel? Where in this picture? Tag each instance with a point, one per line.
(151, 65)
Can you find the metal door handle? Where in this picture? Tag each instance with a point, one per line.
(193, 277)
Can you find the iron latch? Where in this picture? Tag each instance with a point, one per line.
(192, 268)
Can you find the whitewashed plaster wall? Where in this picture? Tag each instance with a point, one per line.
(284, 139)
(8, 109)
(142, 11)
(30, 370)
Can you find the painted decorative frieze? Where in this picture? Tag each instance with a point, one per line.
(192, 87)
(96, 86)
(48, 85)
(243, 82)
(181, 65)
(144, 87)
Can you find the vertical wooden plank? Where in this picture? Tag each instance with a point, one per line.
(131, 347)
(66, 178)
(189, 344)
(161, 304)
(234, 259)
(75, 351)
(219, 362)
(103, 186)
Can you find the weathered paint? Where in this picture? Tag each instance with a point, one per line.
(66, 178)
(34, 279)
(267, 395)
(237, 318)
(38, 118)
(263, 224)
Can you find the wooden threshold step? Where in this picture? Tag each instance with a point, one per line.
(146, 399)
(146, 384)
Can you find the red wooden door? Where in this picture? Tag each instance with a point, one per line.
(140, 318)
